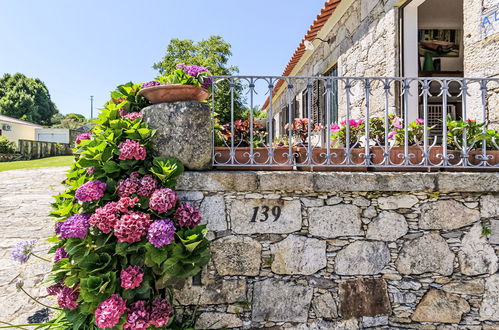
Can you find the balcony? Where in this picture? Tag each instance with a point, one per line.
(329, 123)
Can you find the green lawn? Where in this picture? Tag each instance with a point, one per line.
(44, 162)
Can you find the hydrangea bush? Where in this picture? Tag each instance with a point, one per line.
(122, 236)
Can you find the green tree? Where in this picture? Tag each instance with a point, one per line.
(26, 98)
(71, 121)
(212, 53)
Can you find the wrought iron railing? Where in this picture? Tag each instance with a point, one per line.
(355, 123)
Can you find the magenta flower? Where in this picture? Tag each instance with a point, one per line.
(163, 200)
(54, 289)
(126, 203)
(105, 217)
(83, 136)
(161, 232)
(150, 84)
(76, 226)
(129, 186)
(123, 112)
(194, 71)
(67, 298)
(58, 226)
(420, 121)
(131, 277)
(187, 215)
(397, 122)
(131, 149)
(133, 115)
(60, 253)
(391, 134)
(132, 227)
(90, 191)
(137, 316)
(108, 313)
(160, 312)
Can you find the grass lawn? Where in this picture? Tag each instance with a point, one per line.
(44, 162)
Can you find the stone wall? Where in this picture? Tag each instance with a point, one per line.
(345, 250)
(39, 149)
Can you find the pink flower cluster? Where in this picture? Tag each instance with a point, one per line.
(160, 312)
(105, 217)
(137, 316)
(83, 136)
(187, 215)
(67, 298)
(108, 313)
(163, 200)
(136, 185)
(90, 191)
(131, 227)
(131, 149)
(131, 277)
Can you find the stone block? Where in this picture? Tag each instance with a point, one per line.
(216, 320)
(388, 226)
(362, 258)
(494, 232)
(287, 181)
(428, 253)
(476, 256)
(279, 301)
(265, 216)
(351, 324)
(212, 293)
(447, 215)
(335, 221)
(298, 255)
(441, 307)
(217, 181)
(489, 310)
(376, 321)
(472, 287)
(213, 211)
(489, 206)
(236, 255)
(324, 306)
(364, 297)
(183, 131)
(397, 202)
(468, 182)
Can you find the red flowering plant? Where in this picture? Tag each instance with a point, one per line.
(121, 232)
(242, 136)
(299, 127)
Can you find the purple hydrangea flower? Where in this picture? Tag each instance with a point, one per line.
(160, 312)
(187, 215)
(90, 191)
(60, 253)
(76, 226)
(195, 70)
(54, 289)
(22, 250)
(161, 232)
(83, 136)
(150, 84)
(19, 285)
(67, 298)
(58, 226)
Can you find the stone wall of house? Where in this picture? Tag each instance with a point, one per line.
(339, 250)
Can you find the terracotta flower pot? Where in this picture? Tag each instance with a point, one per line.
(337, 158)
(398, 162)
(174, 93)
(261, 159)
(492, 158)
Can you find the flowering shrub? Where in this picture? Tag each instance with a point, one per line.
(299, 127)
(339, 133)
(242, 133)
(184, 75)
(121, 233)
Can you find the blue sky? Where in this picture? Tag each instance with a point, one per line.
(83, 48)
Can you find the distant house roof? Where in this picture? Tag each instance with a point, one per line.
(17, 121)
(325, 14)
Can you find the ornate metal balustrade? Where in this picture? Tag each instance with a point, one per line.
(355, 123)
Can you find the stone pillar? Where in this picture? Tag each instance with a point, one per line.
(183, 131)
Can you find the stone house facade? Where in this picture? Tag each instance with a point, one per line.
(383, 38)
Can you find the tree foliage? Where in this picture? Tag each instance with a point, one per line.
(26, 98)
(212, 53)
(71, 121)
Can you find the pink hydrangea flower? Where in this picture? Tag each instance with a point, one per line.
(126, 203)
(54, 289)
(137, 316)
(147, 185)
(132, 227)
(129, 186)
(83, 136)
(187, 215)
(123, 112)
(105, 217)
(163, 200)
(131, 277)
(133, 115)
(108, 313)
(90, 191)
(131, 149)
(160, 312)
(67, 298)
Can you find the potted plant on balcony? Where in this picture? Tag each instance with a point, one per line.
(237, 149)
(186, 83)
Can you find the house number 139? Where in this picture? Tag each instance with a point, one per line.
(264, 211)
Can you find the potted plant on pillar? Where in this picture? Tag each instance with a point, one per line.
(186, 83)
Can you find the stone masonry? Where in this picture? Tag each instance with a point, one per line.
(345, 250)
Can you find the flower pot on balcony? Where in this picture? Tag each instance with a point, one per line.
(174, 93)
(261, 162)
(397, 160)
(475, 158)
(337, 156)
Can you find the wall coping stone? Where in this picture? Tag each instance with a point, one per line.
(241, 181)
